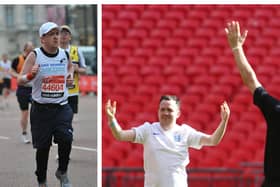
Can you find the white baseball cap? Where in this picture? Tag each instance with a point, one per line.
(47, 27)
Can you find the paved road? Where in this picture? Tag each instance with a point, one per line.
(17, 160)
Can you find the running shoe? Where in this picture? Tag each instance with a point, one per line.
(43, 184)
(25, 139)
(63, 178)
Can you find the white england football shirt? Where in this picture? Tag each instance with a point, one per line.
(166, 153)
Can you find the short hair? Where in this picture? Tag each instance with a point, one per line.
(27, 44)
(170, 98)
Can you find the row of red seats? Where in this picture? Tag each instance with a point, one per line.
(152, 50)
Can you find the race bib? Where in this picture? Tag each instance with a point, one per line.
(53, 86)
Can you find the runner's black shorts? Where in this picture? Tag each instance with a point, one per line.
(24, 97)
(7, 83)
(50, 121)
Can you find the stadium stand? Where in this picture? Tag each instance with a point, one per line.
(182, 49)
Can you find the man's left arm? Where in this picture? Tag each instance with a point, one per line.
(81, 69)
(70, 72)
(217, 136)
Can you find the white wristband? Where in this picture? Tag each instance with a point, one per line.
(24, 78)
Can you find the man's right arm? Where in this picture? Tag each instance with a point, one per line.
(236, 42)
(117, 131)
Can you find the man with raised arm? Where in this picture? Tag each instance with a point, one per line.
(166, 143)
(269, 106)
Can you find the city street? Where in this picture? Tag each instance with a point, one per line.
(17, 160)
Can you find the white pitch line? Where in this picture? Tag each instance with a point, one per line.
(4, 138)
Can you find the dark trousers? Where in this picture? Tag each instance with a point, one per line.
(42, 157)
(51, 122)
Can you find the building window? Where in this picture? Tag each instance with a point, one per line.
(9, 16)
(29, 15)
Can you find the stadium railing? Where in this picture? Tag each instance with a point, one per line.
(248, 175)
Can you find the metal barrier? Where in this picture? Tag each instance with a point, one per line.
(254, 169)
(197, 177)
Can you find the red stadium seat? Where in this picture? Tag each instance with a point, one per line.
(209, 108)
(122, 52)
(242, 13)
(181, 60)
(172, 89)
(160, 33)
(174, 42)
(146, 90)
(196, 70)
(173, 70)
(124, 90)
(113, 33)
(198, 42)
(214, 23)
(123, 25)
(144, 52)
(152, 43)
(147, 24)
(200, 90)
(137, 61)
(220, 13)
(179, 80)
(140, 99)
(138, 33)
(189, 51)
(201, 119)
(108, 70)
(182, 33)
(232, 80)
(215, 98)
(190, 100)
(175, 14)
(271, 32)
(107, 16)
(167, 24)
(128, 15)
(213, 51)
(135, 8)
(151, 15)
(129, 43)
(190, 24)
(205, 80)
(131, 108)
(224, 89)
(265, 41)
(220, 70)
(198, 13)
(168, 52)
(266, 13)
(131, 80)
(128, 70)
(108, 43)
(154, 80)
(148, 70)
(206, 32)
